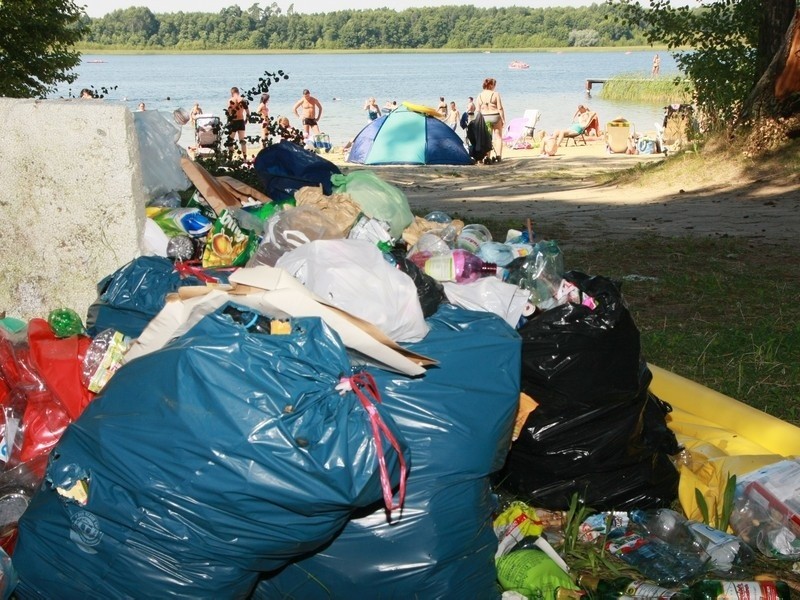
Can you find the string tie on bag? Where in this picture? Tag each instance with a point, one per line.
(366, 390)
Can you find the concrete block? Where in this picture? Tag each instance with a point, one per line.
(72, 207)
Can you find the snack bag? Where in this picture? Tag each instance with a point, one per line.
(228, 244)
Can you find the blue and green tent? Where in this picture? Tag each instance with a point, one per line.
(406, 137)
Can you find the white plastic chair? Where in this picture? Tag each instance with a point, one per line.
(531, 118)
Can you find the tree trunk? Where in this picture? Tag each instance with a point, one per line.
(777, 93)
(775, 20)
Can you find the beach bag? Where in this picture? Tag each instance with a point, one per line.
(228, 452)
(479, 137)
(322, 141)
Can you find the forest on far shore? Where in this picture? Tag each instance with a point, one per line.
(443, 27)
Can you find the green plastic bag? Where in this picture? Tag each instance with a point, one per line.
(377, 198)
(532, 573)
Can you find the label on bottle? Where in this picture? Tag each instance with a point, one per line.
(747, 590)
(441, 268)
(720, 545)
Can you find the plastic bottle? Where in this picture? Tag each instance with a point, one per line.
(607, 589)
(665, 563)
(725, 550)
(738, 590)
(65, 322)
(459, 266)
(472, 236)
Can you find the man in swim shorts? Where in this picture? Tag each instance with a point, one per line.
(312, 112)
(238, 112)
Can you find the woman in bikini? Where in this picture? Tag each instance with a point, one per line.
(263, 112)
(490, 105)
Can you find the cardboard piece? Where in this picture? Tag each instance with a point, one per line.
(218, 196)
(273, 291)
(243, 191)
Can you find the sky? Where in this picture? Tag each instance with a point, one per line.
(98, 8)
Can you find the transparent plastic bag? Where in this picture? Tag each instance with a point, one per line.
(159, 153)
(290, 229)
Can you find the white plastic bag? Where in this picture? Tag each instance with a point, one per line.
(160, 154)
(354, 276)
(491, 295)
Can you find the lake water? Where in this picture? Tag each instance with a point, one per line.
(554, 83)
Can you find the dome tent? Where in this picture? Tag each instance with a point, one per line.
(408, 137)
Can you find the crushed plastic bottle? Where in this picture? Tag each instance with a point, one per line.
(725, 551)
(65, 322)
(104, 357)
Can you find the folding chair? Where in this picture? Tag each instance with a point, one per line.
(531, 118)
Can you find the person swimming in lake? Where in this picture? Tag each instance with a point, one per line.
(372, 108)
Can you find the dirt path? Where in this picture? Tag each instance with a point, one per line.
(561, 194)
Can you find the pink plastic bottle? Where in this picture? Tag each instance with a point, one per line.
(459, 266)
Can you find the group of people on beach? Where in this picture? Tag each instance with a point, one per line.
(308, 109)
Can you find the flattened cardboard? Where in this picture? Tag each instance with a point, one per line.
(218, 196)
(243, 191)
(301, 302)
(275, 292)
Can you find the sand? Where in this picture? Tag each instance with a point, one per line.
(563, 193)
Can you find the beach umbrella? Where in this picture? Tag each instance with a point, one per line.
(405, 137)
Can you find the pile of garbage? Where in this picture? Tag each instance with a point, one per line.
(306, 391)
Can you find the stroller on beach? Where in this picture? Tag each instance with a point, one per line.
(207, 128)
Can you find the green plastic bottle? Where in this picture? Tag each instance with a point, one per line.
(739, 590)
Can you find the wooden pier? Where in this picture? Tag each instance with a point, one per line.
(591, 82)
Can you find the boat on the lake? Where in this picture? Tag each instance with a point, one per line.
(518, 64)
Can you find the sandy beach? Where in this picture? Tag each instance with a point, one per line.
(564, 197)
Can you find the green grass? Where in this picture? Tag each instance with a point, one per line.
(641, 88)
(716, 311)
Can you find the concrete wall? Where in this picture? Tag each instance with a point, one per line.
(71, 201)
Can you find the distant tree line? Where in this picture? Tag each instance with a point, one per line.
(448, 27)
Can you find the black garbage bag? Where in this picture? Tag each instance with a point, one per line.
(429, 291)
(597, 431)
(285, 167)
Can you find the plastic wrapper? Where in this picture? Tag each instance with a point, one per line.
(285, 167)
(225, 453)
(377, 198)
(597, 431)
(228, 244)
(489, 294)
(766, 510)
(457, 420)
(354, 276)
(290, 229)
(540, 273)
(103, 357)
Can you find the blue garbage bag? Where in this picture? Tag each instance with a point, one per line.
(130, 297)
(457, 420)
(285, 167)
(224, 454)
